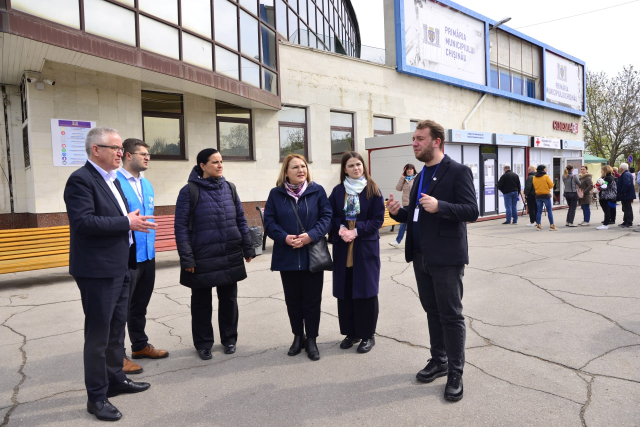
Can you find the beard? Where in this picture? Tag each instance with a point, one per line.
(427, 154)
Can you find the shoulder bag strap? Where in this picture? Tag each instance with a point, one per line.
(295, 211)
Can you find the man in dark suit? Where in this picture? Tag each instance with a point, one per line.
(101, 251)
(442, 201)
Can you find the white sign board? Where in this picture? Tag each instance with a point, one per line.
(564, 81)
(568, 144)
(510, 139)
(67, 141)
(444, 41)
(542, 142)
(470, 137)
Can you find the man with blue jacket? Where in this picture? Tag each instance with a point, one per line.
(139, 194)
(626, 194)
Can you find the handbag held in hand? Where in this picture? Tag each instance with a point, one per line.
(319, 256)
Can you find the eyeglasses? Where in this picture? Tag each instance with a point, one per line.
(144, 156)
(115, 148)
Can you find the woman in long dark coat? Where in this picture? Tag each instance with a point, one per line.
(358, 214)
(212, 240)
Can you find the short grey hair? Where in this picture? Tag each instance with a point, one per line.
(97, 136)
(624, 166)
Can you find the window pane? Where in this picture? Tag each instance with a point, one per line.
(505, 80)
(383, 124)
(293, 27)
(119, 26)
(413, 125)
(517, 84)
(249, 35)
(319, 24)
(65, 12)
(268, 47)
(226, 23)
(313, 41)
(159, 38)
(312, 16)
(291, 141)
(281, 17)
(227, 63)
(303, 10)
(250, 72)
(340, 142)
(196, 16)
(304, 35)
(128, 2)
(267, 12)
(163, 135)
(344, 120)
(494, 77)
(197, 51)
(163, 9)
(161, 102)
(293, 4)
(269, 81)
(531, 88)
(234, 139)
(228, 110)
(292, 115)
(250, 5)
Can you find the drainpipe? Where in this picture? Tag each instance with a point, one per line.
(464, 124)
(9, 178)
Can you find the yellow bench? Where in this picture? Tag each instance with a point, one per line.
(26, 249)
(388, 221)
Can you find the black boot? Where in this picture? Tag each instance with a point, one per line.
(312, 349)
(298, 344)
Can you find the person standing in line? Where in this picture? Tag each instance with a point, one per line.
(635, 184)
(404, 184)
(442, 202)
(358, 214)
(302, 289)
(102, 253)
(543, 185)
(509, 185)
(613, 206)
(626, 194)
(586, 185)
(212, 237)
(139, 194)
(607, 193)
(530, 195)
(571, 184)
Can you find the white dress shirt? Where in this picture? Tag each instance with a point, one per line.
(109, 177)
(136, 183)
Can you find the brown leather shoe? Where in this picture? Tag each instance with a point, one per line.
(129, 367)
(150, 352)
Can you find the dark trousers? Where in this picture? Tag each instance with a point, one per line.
(532, 207)
(440, 290)
(572, 200)
(612, 215)
(357, 317)
(140, 291)
(104, 302)
(202, 309)
(627, 219)
(303, 296)
(604, 204)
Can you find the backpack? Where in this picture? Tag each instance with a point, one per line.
(194, 195)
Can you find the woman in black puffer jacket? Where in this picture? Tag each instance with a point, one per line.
(211, 241)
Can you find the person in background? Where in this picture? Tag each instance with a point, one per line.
(404, 184)
(358, 214)
(571, 183)
(586, 185)
(626, 194)
(614, 205)
(302, 288)
(543, 185)
(509, 185)
(635, 184)
(556, 189)
(615, 172)
(530, 196)
(607, 193)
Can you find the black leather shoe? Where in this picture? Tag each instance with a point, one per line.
(204, 354)
(348, 342)
(127, 386)
(432, 371)
(229, 349)
(453, 390)
(366, 345)
(298, 344)
(104, 410)
(506, 222)
(312, 349)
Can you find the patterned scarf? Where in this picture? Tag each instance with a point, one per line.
(295, 191)
(353, 187)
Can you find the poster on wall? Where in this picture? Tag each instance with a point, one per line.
(67, 141)
(444, 41)
(564, 81)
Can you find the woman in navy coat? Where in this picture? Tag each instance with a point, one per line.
(358, 214)
(302, 288)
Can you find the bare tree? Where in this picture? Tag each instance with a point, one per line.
(612, 124)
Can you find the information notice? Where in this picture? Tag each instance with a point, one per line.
(68, 141)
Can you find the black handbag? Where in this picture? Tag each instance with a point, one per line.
(319, 256)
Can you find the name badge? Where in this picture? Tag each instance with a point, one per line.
(416, 212)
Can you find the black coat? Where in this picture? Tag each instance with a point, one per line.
(99, 232)
(509, 182)
(443, 235)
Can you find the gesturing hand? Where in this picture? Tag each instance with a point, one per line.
(428, 203)
(393, 205)
(139, 222)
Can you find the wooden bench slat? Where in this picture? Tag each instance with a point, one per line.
(26, 250)
(34, 254)
(13, 266)
(22, 231)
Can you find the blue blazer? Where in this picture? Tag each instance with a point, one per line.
(99, 241)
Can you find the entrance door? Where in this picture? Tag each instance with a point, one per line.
(556, 176)
(489, 183)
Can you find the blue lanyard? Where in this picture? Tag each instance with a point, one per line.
(424, 169)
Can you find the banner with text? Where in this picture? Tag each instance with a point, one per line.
(564, 81)
(67, 141)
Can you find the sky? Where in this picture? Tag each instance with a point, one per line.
(606, 40)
